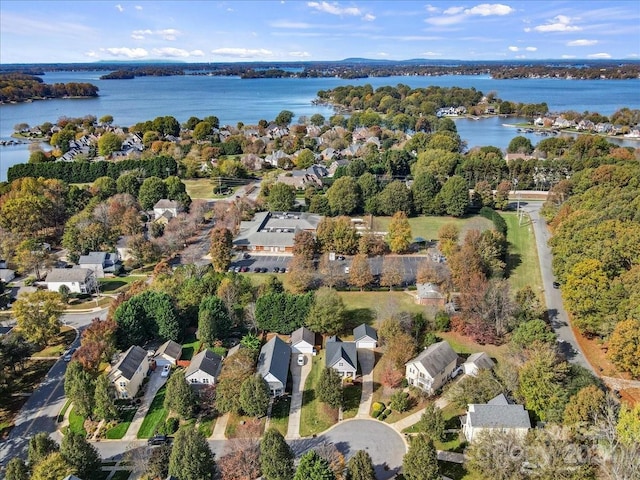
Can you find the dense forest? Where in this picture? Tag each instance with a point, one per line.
(150, 71)
(17, 87)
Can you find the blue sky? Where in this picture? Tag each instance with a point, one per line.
(210, 31)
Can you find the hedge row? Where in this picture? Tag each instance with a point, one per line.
(498, 222)
(87, 172)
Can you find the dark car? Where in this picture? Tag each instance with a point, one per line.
(256, 270)
(556, 284)
(159, 440)
(276, 270)
(244, 269)
(264, 270)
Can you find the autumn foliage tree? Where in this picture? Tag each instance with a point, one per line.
(360, 272)
(399, 235)
(220, 251)
(624, 346)
(97, 344)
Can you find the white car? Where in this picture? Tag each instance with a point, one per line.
(165, 370)
(301, 359)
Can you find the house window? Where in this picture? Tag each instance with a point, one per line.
(194, 380)
(123, 384)
(205, 380)
(341, 364)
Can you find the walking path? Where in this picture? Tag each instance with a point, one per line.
(156, 381)
(299, 375)
(367, 361)
(220, 427)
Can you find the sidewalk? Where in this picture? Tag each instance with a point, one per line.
(415, 417)
(220, 427)
(156, 381)
(299, 375)
(367, 361)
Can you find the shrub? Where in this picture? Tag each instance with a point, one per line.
(442, 321)
(171, 425)
(399, 401)
(376, 413)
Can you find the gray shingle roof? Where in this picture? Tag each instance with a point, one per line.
(69, 275)
(337, 351)
(428, 290)
(93, 258)
(436, 358)
(498, 416)
(274, 359)
(363, 331)
(171, 349)
(303, 334)
(165, 203)
(130, 361)
(481, 360)
(207, 361)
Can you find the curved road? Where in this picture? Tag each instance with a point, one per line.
(557, 314)
(39, 413)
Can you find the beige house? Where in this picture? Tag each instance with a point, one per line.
(432, 368)
(496, 415)
(128, 373)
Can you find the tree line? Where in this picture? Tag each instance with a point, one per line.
(18, 87)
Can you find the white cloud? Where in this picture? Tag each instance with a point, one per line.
(531, 49)
(431, 54)
(599, 55)
(167, 33)
(521, 56)
(581, 43)
(514, 49)
(334, 8)
(288, 24)
(559, 23)
(487, 9)
(453, 10)
(135, 36)
(443, 21)
(633, 55)
(127, 52)
(138, 7)
(171, 52)
(90, 54)
(432, 9)
(382, 54)
(299, 54)
(242, 52)
(119, 8)
(568, 56)
(369, 18)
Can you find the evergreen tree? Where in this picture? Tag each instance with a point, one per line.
(421, 461)
(52, 467)
(179, 396)
(16, 470)
(79, 386)
(330, 387)
(276, 457)
(432, 422)
(214, 321)
(191, 458)
(313, 467)
(361, 467)
(254, 396)
(40, 446)
(104, 408)
(81, 455)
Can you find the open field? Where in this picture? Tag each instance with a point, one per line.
(199, 187)
(427, 227)
(523, 267)
(363, 307)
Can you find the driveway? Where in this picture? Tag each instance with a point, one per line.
(367, 359)
(156, 381)
(385, 446)
(299, 375)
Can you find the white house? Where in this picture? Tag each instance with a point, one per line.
(342, 357)
(431, 369)
(496, 415)
(129, 372)
(302, 340)
(77, 280)
(477, 362)
(100, 262)
(365, 336)
(273, 365)
(164, 207)
(204, 368)
(6, 275)
(168, 353)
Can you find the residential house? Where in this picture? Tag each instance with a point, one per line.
(274, 231)
(365, 336)
(301, 179)
(496, 415)
(273, 365)
(129, 372)
(167, 208)
(6, 275)
(168, 353)
(124, 252)
(101, 263)
(342, 357)
(276, 158)
(432, 368)
(509, 157)
(336, 163)
(429, 294)
(204, 368)
(77, 280)
(476, 362)
(303, 340)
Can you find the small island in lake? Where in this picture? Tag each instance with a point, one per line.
(21, 87)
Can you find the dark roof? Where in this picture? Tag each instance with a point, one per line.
(5, 330)
(303, 334)
(333, 338)
(79, 275)
(93, 258)
(207, 361)
(274, 359)
(364, 330)
(170, 349)
(130, 361)
(436, 358)
(346, 351)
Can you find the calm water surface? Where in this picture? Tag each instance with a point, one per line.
(233, 100)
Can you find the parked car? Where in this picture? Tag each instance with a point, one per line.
(165, 370)
(244, 269)
(264, 270)
(246, 255)
(68, 355)
(346, 270)
(256, 270)
(300, 359)
(276, 270)
(556, 284)
(340, 257)
(159, 440)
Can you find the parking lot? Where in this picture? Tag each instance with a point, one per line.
(409, 264)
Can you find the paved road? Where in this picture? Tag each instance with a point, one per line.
(39, 414)
(557, 314)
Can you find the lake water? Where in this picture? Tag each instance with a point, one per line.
(233, 100)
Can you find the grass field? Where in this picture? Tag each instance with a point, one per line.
(315, 417)
(363, 307)
(190, 347)
(205, 427)
(427, 227)
(155, 416)
(199, 187)
(76, 423)
(280, 414)
(351, 394)
(116, 284)
(59, 344)
(523, 267)
(117, 432)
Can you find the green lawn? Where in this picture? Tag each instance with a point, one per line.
(243, 426)
(205, 427)
(280, 415)
(76, 423)
(116, 284)
(427, 227)
(190, 347)
(523, 267)
(90, 303)
(117, 432)
(361, 306)
(155, 416)
(59, 344)
(199, 187)
(351, 395)
(315, 417)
